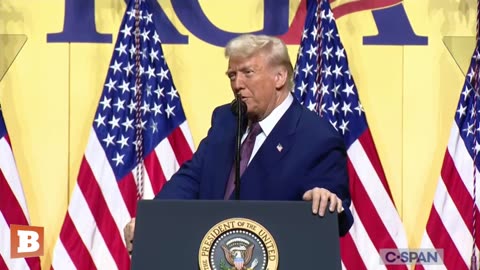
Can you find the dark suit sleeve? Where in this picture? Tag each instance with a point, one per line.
(185, 183)
(329, 171)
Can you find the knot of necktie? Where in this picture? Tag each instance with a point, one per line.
(255, 129)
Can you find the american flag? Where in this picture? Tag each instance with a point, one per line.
(450, 225)
(324, 84)
(13, 207)
(105, 195)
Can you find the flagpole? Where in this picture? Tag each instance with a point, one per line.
(138, 104)
(318, 77)
(475, 86)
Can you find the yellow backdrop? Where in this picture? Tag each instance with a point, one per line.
(50, 92)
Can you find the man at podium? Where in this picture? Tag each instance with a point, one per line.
(287, 151)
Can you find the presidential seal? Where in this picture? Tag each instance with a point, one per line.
(238, 244)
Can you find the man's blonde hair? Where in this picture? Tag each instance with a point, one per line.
(245, 46)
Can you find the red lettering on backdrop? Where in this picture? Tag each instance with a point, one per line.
(294, 33)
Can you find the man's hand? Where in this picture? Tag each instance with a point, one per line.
(320, 198)
(128, 234)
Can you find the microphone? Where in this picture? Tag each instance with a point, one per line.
(239, 108)
(236, 109)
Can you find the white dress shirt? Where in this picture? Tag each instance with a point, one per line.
(268, 124)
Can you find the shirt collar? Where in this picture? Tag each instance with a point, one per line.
(272, 119)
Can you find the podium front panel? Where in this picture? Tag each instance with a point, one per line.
(257, 235)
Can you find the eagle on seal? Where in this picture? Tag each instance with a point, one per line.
(239, 259)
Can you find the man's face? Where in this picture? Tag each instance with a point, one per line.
(254, 79)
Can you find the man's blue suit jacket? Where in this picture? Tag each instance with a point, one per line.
(312, 155)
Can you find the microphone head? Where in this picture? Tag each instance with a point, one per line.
(236, 103)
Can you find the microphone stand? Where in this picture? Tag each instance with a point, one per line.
(239, 108)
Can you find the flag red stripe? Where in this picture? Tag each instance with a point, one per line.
(33, 262)
(9, 206)
(366, 140)
(128, 189)
(74, 245)
(180, 146)
(349, 253)
(441, 239)
(101, 213)
(368, 214)
(3, 266)
(155, 172)
(419, 267)
(8, 140)
(459, 193)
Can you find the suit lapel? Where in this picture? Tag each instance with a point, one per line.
(276, 146)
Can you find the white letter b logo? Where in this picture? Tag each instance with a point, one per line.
(27, 241)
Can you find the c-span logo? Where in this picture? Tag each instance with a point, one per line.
(238, 244)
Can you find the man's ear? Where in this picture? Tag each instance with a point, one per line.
(281, 77)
